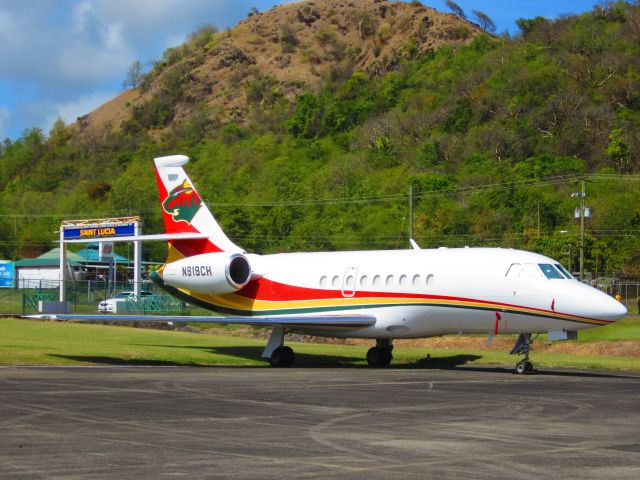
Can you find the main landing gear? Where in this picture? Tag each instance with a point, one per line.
(522, 347)
(380, 356)
(276, 352)
(282, 357)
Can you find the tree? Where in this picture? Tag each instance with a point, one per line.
(455, 8)
(202, 35)
(618, 149)
(484, 21)
(306, 122)
(252, 11)
(134, 75)
(59, 133)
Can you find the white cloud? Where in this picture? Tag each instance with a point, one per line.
(113, 37)
(68, 51)
(6, 24)
(4, 118)
(70, 111)
(80, 15)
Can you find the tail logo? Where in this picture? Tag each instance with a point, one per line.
(182, 203)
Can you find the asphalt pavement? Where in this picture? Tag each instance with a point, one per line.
(343, 423)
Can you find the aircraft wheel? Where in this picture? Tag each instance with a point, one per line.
(282, 357)
(379, 357)
(523, 367)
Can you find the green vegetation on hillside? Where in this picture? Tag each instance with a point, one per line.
(559, 100)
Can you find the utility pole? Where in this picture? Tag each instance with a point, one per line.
(410, 212)
(582, 213)
(582, 208)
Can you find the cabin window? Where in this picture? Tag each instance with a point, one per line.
(349, 282)
(364, 280)
(403, 280)
(430, 280)
(389, 281)
(416, 281)
(550, 272)
(335, 282)
(323, 281)
(376, 281)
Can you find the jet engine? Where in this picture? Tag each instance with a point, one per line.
(212, 273)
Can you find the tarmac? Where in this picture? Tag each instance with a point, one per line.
(344, 423)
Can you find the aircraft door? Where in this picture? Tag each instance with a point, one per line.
(349, 282)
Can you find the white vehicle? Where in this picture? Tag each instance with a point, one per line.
(381, 295)
(111, 304)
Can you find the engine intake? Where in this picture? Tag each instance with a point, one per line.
(238, 270)
(212, 273)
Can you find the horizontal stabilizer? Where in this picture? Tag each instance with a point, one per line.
(344, 321)
(159, 237)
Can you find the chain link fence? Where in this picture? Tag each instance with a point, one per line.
(85, 296)
(629, 292)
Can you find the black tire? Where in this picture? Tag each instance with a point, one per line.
(379, 357)
(288, 355)
(282, 357)
(521, 367)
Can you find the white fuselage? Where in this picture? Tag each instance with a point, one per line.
(421, 293)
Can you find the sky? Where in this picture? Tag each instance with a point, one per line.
(64, 58)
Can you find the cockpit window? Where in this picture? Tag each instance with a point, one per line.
(564, 271)
(550, 272)
(514, 271)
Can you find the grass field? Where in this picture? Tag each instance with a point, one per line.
(626, 329)
(24, 342)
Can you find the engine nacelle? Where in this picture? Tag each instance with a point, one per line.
(212, 273)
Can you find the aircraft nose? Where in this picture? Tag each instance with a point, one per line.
(614, 310)
(608, 308)
(591, 302)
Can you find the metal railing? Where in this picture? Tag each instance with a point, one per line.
(85, 296)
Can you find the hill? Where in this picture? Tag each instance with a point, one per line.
(279, 54)
(307, 124)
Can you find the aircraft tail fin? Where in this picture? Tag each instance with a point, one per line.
(184, 211)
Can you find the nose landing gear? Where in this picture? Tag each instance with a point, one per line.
(522, 347)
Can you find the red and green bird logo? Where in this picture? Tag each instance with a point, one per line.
(182, 203)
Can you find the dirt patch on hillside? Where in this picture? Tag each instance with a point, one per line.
(287, 50)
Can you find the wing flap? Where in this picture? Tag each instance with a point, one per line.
(343, 321)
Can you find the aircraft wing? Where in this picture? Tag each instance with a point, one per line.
(343, 321)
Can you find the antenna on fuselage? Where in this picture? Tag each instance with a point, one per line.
(414, 245)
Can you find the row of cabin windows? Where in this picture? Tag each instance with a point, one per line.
(365, 281)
